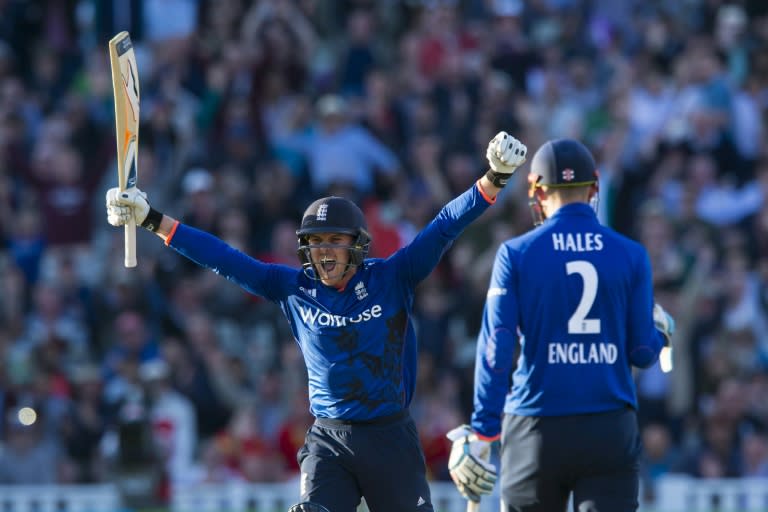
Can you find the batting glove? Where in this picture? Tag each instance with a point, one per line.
(468, 463)
(131, 204)
(505, 154)
(663, 322)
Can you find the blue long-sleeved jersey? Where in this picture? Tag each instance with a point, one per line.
(578, 298)
(358, 344)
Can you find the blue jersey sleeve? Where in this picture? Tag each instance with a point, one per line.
(267, 280)
(496, 345)
(419, 258)
(644, 340)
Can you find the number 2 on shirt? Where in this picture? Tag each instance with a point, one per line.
(579, 323)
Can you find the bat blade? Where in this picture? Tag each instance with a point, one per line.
(125, 89)
(473, 506)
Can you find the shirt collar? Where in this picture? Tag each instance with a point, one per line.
(571, 209)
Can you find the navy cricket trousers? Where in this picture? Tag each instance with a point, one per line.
(594, 456)
(381, 460)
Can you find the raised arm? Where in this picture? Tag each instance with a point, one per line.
(505, 154)
(267, 280)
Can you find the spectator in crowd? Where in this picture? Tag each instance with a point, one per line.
(134, 344)
(172, 417)
(755, 454)
(27, 457)
(85, 423)
(660, 457)
(343, 156)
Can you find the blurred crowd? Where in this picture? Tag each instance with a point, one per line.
(250, 109)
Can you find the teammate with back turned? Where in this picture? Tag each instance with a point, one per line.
(350, 315)
(576, 299)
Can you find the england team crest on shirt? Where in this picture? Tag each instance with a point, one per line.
(322, 212)
(360, 291)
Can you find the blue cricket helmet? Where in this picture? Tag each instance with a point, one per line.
(560, 163)
(334, 214)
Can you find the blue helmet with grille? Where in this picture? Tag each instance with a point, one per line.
(333, 215)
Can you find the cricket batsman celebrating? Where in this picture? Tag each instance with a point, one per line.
(350, 315)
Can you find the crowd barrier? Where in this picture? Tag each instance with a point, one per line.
(277, 498)
(59, 498)
(686, 494)
(674, 494)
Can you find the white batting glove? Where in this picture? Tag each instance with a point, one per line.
(663, 322)
(468, 463)
(129, 204)
(505, 154)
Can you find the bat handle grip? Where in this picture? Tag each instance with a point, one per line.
(473, 506)
(130, 244)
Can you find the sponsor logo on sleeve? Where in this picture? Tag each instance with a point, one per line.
(495, 291)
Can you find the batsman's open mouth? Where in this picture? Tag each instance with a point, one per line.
(328, 265)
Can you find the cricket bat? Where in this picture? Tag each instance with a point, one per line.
(473, 506)
(125, 87)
